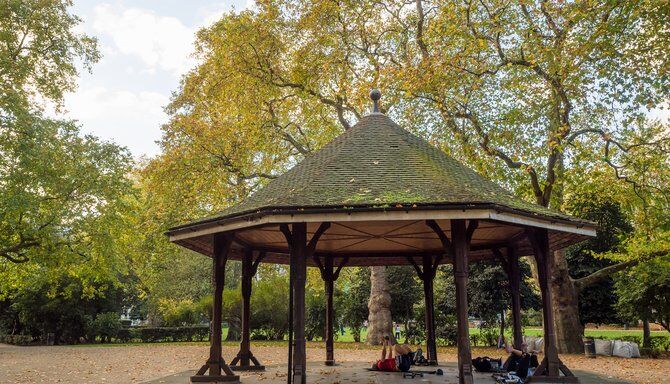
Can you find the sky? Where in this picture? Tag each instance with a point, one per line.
(146, 47)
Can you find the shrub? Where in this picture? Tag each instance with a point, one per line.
(660, 343)
(179, 313)
(446, 330)
(106, 326)
(315, 315)
(489, 335)
(162, 334)
(17, 339)
(269, 312)
(475, 339)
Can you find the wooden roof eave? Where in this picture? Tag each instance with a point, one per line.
(445, 212)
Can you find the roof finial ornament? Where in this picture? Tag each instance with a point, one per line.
(375, 95)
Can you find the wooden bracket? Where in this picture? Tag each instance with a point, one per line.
(472, 226)
(311, 246)
(436, 263)
(419, 272)
(343, 263)
(254, 266)
(446, 243)
(287, 233)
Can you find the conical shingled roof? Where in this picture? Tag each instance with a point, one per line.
(376, 163)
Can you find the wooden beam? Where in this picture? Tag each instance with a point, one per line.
(287, 234)
(418, 270)
(343, 263)
(259, 258)
(244, 359)
(216, 367)
(514, 276)
(329, 281)
(428, 276)
(460, 252)
(551, 365)
(299, 254)
(472, 226)
(315, 238)
(435, 265)
(446, 243)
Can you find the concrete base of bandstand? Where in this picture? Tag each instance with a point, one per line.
(356, 372)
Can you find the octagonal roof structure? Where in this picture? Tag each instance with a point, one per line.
(377, 184)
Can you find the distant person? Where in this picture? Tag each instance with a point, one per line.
(365, 324)
(397, 331)
(388, 363)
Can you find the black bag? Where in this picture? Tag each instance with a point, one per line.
(482, 364)
(403, 362)
(520, 364)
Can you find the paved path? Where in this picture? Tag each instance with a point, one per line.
(351, 372)
(95, 364)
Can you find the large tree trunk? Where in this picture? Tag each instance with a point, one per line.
(646, 335)
(379, 306)
(234, 329)
(565, 303)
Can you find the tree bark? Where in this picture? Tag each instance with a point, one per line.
(565, 304)
(379, 319)
(646, 334)
(234, 328)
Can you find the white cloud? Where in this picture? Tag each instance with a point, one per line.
(128, 118)
(160, 42)
(144, 54)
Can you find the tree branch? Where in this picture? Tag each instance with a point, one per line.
(602, 274)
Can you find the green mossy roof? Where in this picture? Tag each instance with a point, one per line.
(377, 163)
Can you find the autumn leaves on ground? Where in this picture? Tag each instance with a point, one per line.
(138, 363)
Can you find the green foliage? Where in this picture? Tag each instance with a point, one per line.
(597, 303)
(353, 303)
(532, 94)
(315, 314)
(446, 330)
(61, 308)
(39, 52)
(180, 313)
(644, 291)
(162, 334)
(16, 339)
(269, 307)
(106, 326)
(488, 291)
(406, 292)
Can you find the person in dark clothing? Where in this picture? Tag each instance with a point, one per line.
(519, 360)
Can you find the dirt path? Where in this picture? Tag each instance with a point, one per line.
(132, 364)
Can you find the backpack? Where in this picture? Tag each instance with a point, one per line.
(483, 364)
(403, 362)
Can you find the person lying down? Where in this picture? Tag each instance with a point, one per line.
(400, 363)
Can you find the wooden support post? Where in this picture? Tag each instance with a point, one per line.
(329, 286)
(427, 277)
(551, 366)
(215, 365)
(459, 239)
(299, 265)
(244, 358)
(329, 275)
(514, 276)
